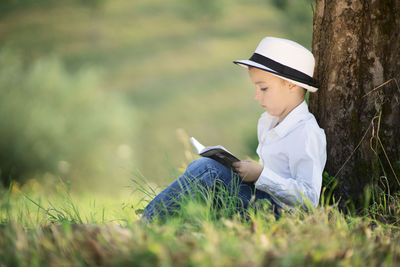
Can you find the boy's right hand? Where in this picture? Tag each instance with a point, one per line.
(248, 170)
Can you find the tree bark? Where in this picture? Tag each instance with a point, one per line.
(356, 44)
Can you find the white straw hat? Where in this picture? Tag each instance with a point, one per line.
(286, 59)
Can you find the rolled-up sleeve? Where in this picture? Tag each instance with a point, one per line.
(306, 163)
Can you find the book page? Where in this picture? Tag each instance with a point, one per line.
(196, 144)
(218, 153)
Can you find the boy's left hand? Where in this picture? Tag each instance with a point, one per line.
(248, 170)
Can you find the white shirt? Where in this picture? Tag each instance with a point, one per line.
(293, 154)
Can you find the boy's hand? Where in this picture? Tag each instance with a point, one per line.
(248, 170)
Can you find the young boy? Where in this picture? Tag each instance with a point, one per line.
(292, 147)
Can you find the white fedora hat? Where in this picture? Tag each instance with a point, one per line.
(286, 59)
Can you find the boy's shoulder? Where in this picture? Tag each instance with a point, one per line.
(308, 129)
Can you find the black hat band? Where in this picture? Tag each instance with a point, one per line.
(284, 70)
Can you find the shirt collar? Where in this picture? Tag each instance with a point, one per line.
(296, 115)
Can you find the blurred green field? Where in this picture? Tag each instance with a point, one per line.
(97, 94)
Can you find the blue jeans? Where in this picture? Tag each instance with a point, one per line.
(202, 175)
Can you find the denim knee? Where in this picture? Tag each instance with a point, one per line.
(201, 162)
(204, 169)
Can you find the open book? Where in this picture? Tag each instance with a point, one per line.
(218, 153)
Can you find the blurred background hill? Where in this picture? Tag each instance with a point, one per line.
(97, 91)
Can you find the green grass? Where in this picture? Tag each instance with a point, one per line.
(64, 229)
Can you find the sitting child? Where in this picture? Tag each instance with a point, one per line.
(292, 147)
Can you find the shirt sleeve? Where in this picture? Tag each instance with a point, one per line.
(306, 163)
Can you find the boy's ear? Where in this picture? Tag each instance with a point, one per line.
(291, 85)
(293, 88)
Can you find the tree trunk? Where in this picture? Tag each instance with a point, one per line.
(357, 48)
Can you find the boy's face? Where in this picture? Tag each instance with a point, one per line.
(272, 93)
